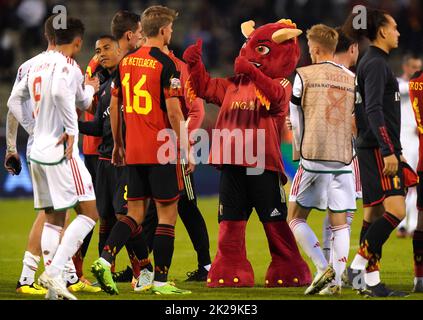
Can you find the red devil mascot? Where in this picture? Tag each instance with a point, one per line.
(253, 106)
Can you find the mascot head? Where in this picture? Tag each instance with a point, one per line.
(272, 48)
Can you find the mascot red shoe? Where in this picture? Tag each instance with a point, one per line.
(253, 102)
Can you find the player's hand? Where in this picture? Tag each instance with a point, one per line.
(288, 123)
(12, 163)
(391, 165)
(69, 140)
(192, 54)
(189, 168)
(243, 66)
(94, 82)
(118, 156)
(403, 159)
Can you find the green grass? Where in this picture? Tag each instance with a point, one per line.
(17, 216)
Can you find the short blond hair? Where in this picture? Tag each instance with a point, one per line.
(324, 35)
(156, 17)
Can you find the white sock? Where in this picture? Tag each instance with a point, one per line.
(159, 284)
(341, 247)
(70, 272)
(309, 243)
(372, 278)
(50, 239)
(417, 279)
(207, 267)
(71, 241)
(359, 262)
(327, 235)
(107, 263)
(30, 266)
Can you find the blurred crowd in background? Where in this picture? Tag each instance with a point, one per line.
(217, 22)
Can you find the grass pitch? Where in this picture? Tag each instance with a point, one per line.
(16, 217)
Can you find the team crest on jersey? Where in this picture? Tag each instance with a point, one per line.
(175, 83)
(65, 70)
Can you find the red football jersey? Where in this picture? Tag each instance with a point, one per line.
(145, 79)
(416, 96)
(89, 143)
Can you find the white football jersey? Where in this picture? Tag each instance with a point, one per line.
(26, 109)
(55, 84)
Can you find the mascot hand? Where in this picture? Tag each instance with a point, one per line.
(192, 54)
(243, 66)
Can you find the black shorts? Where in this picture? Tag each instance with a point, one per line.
(376, 186)
(420, 191)
(91, 164)
(110, 189)
(163, 183)
(239, 193)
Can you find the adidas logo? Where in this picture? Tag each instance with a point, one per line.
(275, 213)
(343, 259)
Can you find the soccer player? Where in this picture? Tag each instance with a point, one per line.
(321, 110)
(149, 84)
(378, 118)
(346, 55)
(416, 96)
(188, 210)
(111, 182)
(55, 86)
(26, 284)
(126, 28)
(409, 139)
(32, 256)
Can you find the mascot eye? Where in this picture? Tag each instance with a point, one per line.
(262, 50)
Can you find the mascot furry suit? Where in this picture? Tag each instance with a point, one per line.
(253, 102)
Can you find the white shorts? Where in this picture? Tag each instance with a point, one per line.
(61, 185)
(322, 191)
(357, 180)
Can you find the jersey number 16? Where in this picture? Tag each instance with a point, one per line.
(137, 94)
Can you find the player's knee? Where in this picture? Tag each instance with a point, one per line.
(89, 209)
(395, 205)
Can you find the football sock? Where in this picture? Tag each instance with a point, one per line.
(379, 232)
(372, 278)
(119, 236)
(70, 275)
(71, 241)
(365, 226)
(85, 244)
(196, 227)
(78, 257)
(146, 263)
(50, 239)
(341, 247)
(309, 243)
(30, 266)
(418, 253)
(163, 246)
(327, 235)
(106, 226)
(137, 250)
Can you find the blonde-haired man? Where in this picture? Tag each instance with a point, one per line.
(320, 112)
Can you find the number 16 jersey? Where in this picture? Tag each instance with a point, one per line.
(145, 79)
